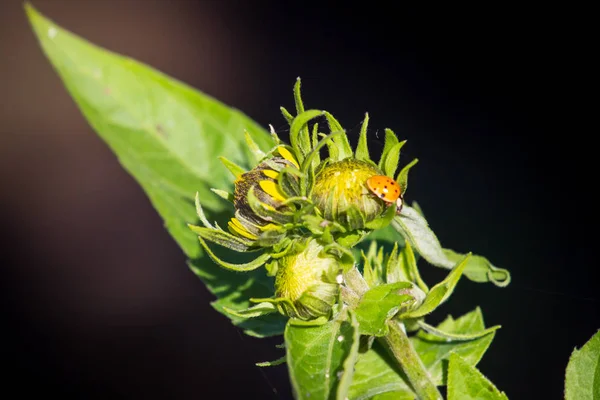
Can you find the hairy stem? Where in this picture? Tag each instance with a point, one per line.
(401, 348)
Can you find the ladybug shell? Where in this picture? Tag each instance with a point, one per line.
(384, 187)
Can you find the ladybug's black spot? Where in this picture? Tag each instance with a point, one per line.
(385, 187)
(396, 190)
(382, 195)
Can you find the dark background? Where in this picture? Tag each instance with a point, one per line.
(98, 301)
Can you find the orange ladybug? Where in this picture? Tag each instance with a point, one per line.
(386, 189)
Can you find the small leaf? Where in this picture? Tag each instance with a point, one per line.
(258, 153)
(582, 378)
(435, 351)
(254, 311)
(298, 140)
(362, 150)
(390, 141)
(384, 220)
(341, 142)
(465, 382)
(391, 161)
(439, 293)
(378, 305)
(402, 177)
(321, 358)
(414, 228)
(249, 266)
(375, 374)
(480, 269)
(222, 238)
(408, 264)
(235, 169)
(457, 337)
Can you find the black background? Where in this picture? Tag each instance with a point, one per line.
(496, 102)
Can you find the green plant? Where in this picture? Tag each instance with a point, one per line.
(334, 268)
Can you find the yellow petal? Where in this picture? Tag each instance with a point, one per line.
(235, 226)
(268, 227)
(285, 153)
(270, 173)
(271, 189)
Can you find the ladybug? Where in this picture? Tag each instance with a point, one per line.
(386, 189)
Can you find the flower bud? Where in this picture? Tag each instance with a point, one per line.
(341, 193)
(306, 278)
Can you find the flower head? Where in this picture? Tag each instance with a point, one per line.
(305, 212)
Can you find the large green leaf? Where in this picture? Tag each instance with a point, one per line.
(321, 359)
(582, 378)
(435, 350)
(413, 226)
(167, 136)
(465, 382)
(375, 373)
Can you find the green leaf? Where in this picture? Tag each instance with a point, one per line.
(435, 351)
(414, 228)
(320, 359)
(380, 304)
(439, 293)
(375, 373)
(465, 382)
(480, 269)
(582, 378)
(455, 336)
(168, 136)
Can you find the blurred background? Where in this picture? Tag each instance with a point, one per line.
(97, 299)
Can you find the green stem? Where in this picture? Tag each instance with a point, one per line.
(410, 362)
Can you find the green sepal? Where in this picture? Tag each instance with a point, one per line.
(223, 194)
(391, 161)
(354, 218)
(249, 266)
(256, 151)
(222, 238)
(274, 134)
(384, 220)
(266, 213)
(287, 115)
(340, 142)
(254, 311)
(362, 150)
(298, 140)
(235, 169)
(271, 237)
(402, 177)
(390, 141)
